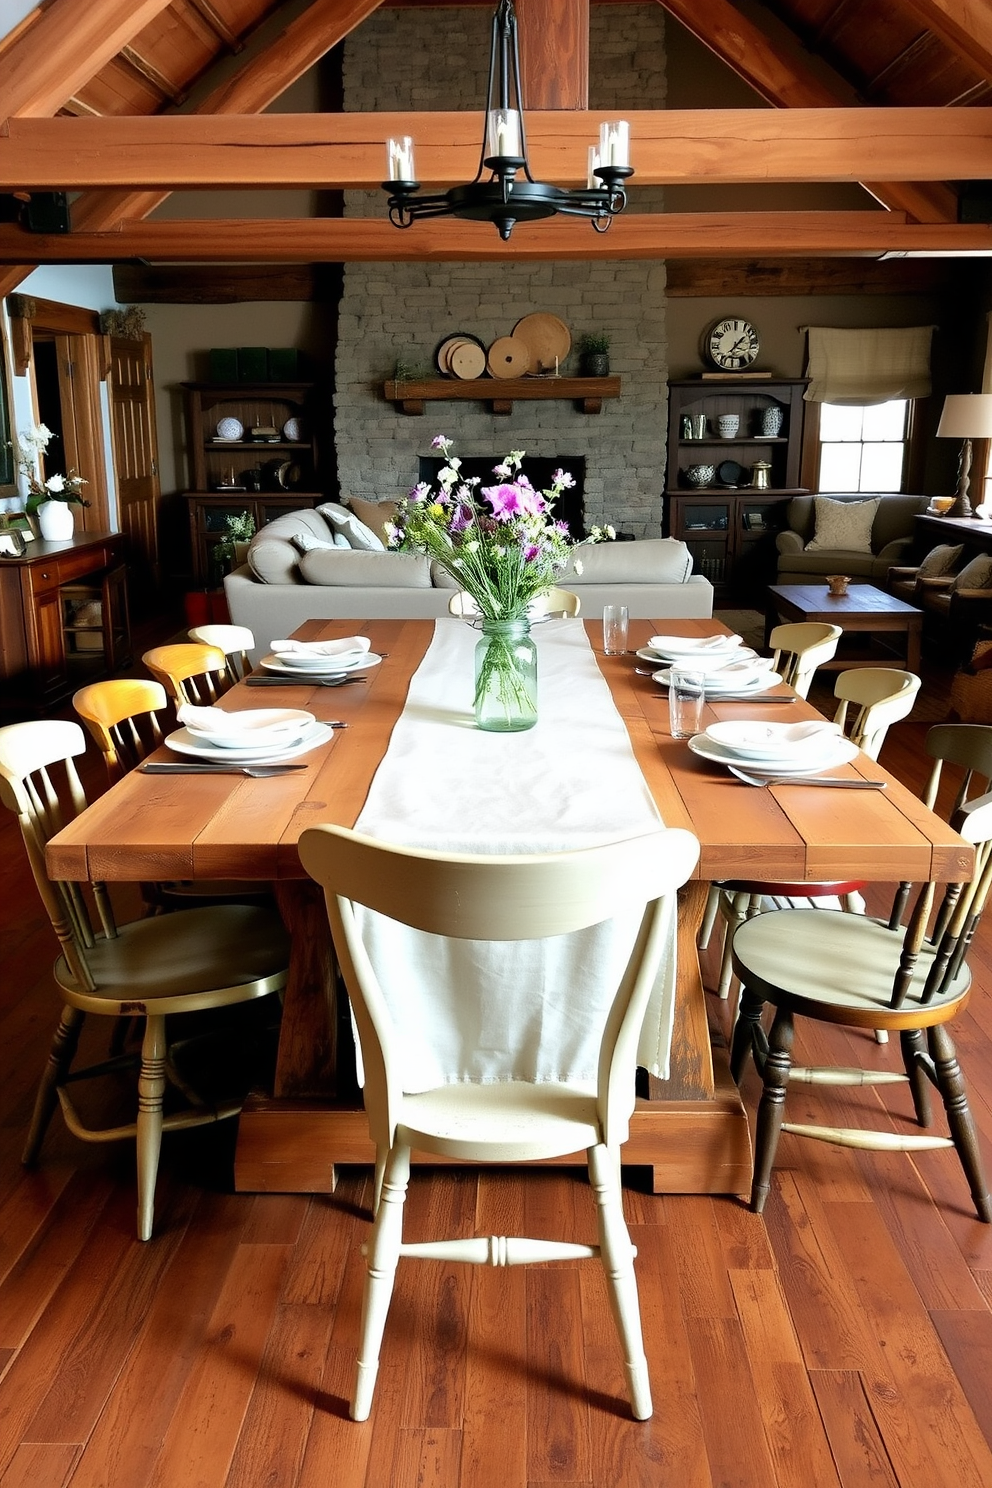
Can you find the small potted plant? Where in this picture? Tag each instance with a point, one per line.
(594, 354)
(49, 502)
(232, 550)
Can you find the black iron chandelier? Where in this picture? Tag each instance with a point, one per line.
(510, 194)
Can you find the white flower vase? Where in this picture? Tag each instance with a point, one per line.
(55, 520)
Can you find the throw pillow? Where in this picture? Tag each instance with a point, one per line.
(939, 561)
(977, 574)
(305, 542)
(356, 532)
(375, 514)
(378, 570)
(844, 525)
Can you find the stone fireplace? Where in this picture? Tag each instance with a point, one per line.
(401, 311)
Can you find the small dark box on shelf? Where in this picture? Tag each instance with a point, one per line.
(253, 364)
(284, 364)
(223, 364)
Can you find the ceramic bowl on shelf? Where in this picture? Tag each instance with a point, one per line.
(700, 475)
(230, 428)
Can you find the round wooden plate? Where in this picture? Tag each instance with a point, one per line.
(508, 357)
(467, 361)
(546, 337)
(442, 356)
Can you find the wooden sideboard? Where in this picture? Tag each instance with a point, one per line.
(63, 617)
(973, 533)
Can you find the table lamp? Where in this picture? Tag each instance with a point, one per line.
(966, 416)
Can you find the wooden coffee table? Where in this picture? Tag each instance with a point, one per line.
(862, 608)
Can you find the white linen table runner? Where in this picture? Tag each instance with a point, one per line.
(569, 782)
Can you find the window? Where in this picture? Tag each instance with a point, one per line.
(863, 448)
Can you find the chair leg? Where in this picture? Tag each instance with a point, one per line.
(381, 1154)
(772, 1106)
(60, 1057)
(950, 1083)
(709, 917)
(914, 1046)
(736, 915)
(151, 1094)
(745, 1031)
(617, 1255)
(383, 1253)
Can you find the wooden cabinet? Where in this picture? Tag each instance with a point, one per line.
(271, 465)
(728, 522)
(63, 617)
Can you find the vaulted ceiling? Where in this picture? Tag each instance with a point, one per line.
(125, 100)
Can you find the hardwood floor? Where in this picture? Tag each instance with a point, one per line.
(843, 1339)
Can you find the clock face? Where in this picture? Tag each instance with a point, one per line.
(732, 345)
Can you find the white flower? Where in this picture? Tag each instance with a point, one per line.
(55, 483)
(578, 565)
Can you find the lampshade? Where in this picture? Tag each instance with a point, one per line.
(966, 416)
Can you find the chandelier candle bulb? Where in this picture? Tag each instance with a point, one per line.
(614, 142)
(592, 180)
(400, 153)
(504, 133)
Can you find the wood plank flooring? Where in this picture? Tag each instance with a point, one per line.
(844, 1339)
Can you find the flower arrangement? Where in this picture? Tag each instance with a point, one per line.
(32, 445)
(501, 543)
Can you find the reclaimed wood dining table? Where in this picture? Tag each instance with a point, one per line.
(690, 1129)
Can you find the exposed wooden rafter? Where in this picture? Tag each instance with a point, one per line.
(217, 24)
(963, 25)
(345, 150)
(634, 235)
(785, 81)
(151, 74)
(554, 53)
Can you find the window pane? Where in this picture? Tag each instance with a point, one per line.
(886, 420)
(881, 467)
(838, 422)
(840, 467)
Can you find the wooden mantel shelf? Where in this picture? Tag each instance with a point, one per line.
(501, 392)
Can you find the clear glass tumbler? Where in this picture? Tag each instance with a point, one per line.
(686, 696)
(614, 629)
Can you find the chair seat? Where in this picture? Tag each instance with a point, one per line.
(838, 968)
(512, 1121)
(797, 890)
(195, 958)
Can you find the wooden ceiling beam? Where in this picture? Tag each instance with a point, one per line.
(66, 46)
(963, 25)
(554, 53)
(668, 146)
(784, 79)
(632, 236)
(217, 24)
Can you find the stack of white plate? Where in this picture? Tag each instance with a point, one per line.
(775, 748)
(252, 736)
(319, 660)
(726, 663)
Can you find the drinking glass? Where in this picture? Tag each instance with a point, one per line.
(614, 629)
(686, 695)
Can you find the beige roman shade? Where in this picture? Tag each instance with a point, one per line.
(868, 366)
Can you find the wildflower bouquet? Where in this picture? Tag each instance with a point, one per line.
(501, 544)
(56, 487)
(503, 547)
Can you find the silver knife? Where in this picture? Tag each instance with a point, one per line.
(301, 682)
(154, 767)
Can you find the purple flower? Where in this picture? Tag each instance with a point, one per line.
(461, 518)
(531, 552)
(563, 480)
(513, 499)
(420, 492)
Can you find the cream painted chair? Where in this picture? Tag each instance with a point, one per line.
(800, 648)
(234, 640)
(461, 896)
(151, 968)
(881, 696)
(189, 671)
(856, 972)
(555, 602)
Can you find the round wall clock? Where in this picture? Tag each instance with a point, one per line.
(731, 344)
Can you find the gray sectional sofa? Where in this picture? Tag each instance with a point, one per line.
(280, 587)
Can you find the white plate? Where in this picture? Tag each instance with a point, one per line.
(704, 645)
(328, 667)
(183, 742)
(750, 738)
(708, 665)
(305, 661)
(759, 682)
(842, 754)
(262, 728)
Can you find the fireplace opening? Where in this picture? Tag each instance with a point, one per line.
(539, 470)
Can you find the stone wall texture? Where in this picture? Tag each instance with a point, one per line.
(423, 59)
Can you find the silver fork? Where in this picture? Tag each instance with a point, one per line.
(839, 782)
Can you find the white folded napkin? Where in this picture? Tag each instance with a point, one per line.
(782, 740)
(718, 667)
(694, 643)
(251, 724)
(345, 647)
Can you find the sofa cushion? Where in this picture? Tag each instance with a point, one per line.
(374, 514)
(653, 560)
(340, 566)
(441, 578)
(975, 575)
(894, 519)
(842, 525)
(939, 561)
(359, 536)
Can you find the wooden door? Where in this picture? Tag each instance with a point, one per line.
(135, 445)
